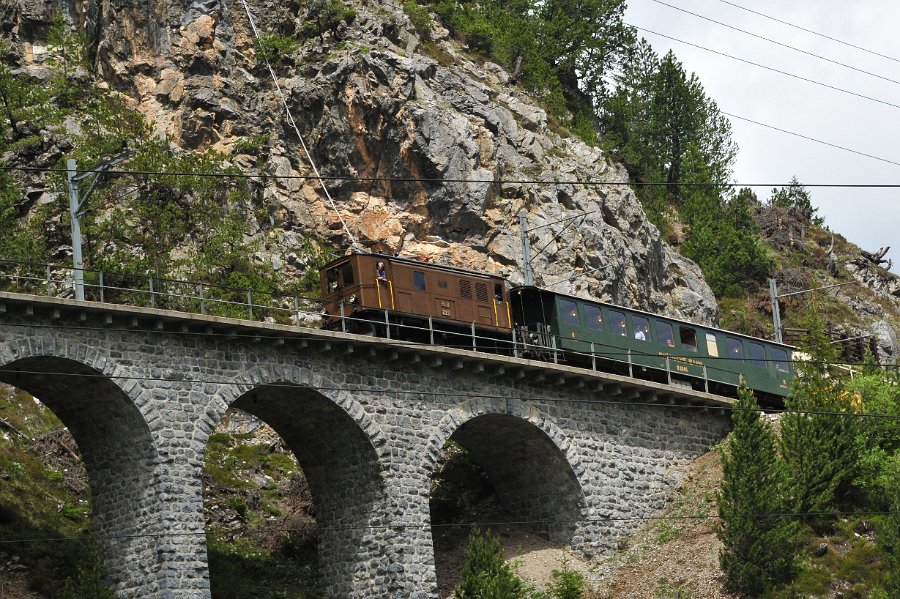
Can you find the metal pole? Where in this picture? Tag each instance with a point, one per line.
(77, 262)
(102, 294)
(250, 304)
(202, 300)
(776, 312)
(630, 367)
(297, 311)
(387, 324)
(473, 338)
(430, 330)
(49, 274)
(526, 247)
(343, 322)
(152, 294)
(705, 379)
(593, 357)
(668, 371)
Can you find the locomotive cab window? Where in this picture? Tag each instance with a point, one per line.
(333, 280)
(419, 280)
(594, 317)
(568, 311)
(346, 274)
(735, 348)
(711, 345)
(757, 354)
(617, 323)
(781, 359)
(664, 332)
(641, 328)
(688, 338)
(498, 292)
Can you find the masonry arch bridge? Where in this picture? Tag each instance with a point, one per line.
(587, 453)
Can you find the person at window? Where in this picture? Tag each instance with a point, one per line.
(640, 335)
(380, 274)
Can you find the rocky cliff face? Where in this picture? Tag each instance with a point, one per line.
(432, 154)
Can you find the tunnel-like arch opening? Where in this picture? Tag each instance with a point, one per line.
(115, 446)
(498, 468)
(339, 474)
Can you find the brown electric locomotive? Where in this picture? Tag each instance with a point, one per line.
(405, 298)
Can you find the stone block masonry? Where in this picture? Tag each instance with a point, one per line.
(585, 455)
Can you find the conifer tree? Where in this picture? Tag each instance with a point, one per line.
(819, 439)
(486, 575)
(759, 539)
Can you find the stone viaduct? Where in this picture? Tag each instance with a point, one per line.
(583, 453)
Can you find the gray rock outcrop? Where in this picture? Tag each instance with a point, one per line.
(425, 152)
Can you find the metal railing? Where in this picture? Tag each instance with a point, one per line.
(149, 291)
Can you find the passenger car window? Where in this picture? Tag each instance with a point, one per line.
(664, 333)
(757, 354)
(688, 338)
(735, 348)
(641, 328)
(568, 312)
(419, 280)
(594, 317)
(781, 359)
(711, 345)
(617, 323)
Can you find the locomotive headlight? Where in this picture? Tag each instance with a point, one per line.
(352, 298)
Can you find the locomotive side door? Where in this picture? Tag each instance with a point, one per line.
(500, 299)
(384, 286)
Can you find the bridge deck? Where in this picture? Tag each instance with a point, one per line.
(618, 387)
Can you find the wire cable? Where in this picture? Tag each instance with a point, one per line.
(425, 393)
(290, 116)
(497, 523)
(801, 136)
(768, 68)
(500, 181)
(804, 29)
(777, 43)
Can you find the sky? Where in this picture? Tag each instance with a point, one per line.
(869, 218)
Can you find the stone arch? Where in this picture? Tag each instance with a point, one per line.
(534, 468)
(116, 446)
(341, 450)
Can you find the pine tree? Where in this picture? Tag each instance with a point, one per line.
(486, 574)
(819, 439)
(759, 541)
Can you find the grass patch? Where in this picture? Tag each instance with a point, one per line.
(239, 569)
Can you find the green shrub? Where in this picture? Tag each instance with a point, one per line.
(486, 575)
(567, 583)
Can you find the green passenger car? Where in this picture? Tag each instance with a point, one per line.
(607, 337)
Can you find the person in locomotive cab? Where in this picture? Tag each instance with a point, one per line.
(380, 273)
(639, 335)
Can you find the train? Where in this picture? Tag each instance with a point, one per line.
(414, 301)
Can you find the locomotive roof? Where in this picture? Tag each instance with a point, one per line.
(413, 262)
(651, 314)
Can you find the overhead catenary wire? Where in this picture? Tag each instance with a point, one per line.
(500, 180)
(777, 43)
